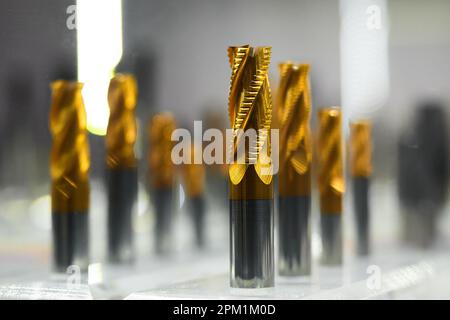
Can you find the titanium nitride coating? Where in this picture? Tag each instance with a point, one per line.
(294, 217)
(331, 183)
(161, 176)
(121, 167)
(250, 170)
(194, 185)
(360, 152)
(69, 170)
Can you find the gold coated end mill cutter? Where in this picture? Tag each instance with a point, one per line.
(251, 191)
(69, 170)
(294, 222)
(194, 185)
(162, 177)
(121, 167)
(331, 183)
(360, 152)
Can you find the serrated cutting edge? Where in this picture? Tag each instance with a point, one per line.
(122, 128)
(250, 107)
(294, 113)
(69, 159)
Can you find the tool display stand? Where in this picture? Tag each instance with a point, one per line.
(394, 270)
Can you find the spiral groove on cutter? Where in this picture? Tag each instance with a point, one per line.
(122, 129)
(250, 107)
(70, 160)
(294, 111)
(160, 163)
(361, 148)
(330, 154)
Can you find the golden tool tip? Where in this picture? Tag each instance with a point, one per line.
(125, 85)
(330, 160)
(294, 110)
(161, 168)
(122, 127)
(250, 107)
(360, 148)
(69, 160)
(334, 111)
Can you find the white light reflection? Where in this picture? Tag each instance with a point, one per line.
(100, 48)
(40, 210)
(95, 273)
(364, 57)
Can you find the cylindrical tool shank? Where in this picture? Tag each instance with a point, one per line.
(331, 228)
(163, 219)
(122, 198)
(294, 235)
(70, 240)
(197, 210)
(251, 235)
(361, 196)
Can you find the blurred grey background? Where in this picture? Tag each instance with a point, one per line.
(177, 49)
